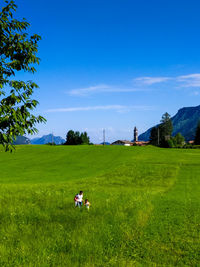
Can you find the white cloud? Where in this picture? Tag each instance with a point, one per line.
(152, 80)
(118, 108)
(89, 90)
(140, 84)
(101, 88)
(191, 80)
(189, 76)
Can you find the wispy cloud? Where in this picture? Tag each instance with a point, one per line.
(191, 80)
(117, 108)
(89, 90)
(151, 80)
(140, 84)
(102, 88)
(105, 88)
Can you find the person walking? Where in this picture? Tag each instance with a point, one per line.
(87, 204)
(80, 199)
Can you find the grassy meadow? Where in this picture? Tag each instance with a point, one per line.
(145, 206)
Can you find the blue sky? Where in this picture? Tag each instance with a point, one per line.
(113, 64)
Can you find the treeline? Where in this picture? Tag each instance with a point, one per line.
(77, 138)
(161, 135)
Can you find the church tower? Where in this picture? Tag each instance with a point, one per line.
(135, 134)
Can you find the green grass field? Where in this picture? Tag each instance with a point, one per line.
(145, 206)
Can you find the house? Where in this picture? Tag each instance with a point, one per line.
(191, 142)
(140, 143)
(134, 142)
(122, 143)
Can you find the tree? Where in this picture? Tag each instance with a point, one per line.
(165, 130)
(70, 138)
(77, 138)
(17, 53)
(170, 143)
(161, 134)
(154, 136)
(166, 125)
(178, 140)
(85, 138)
(197, 134)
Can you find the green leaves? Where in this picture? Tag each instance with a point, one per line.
(17, 52)
(77, 138)
(161, 134)
(197, 134)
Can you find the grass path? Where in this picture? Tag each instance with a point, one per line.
(172, 235)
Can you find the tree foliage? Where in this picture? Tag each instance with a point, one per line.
(165, 130)
(77, 138)
(197, 134)
(178, 140)
(161, 134)
(166, 125)
(17, 53)
(154, 136)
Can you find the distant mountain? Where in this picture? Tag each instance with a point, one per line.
(106, 143)
(184, 122)
(45, 139)
(21, 140)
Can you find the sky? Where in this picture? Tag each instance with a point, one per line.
(113, 64)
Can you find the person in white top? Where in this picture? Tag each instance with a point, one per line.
(80, 199)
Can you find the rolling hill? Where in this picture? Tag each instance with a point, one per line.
(144, 211)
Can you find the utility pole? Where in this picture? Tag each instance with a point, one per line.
(104, 137)
(158, 136)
